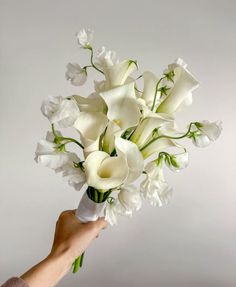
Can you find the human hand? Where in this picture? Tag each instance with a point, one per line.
(71, 239)
(72, 236)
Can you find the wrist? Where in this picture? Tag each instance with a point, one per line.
(62, 255)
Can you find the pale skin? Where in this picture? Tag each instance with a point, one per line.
(70, 240)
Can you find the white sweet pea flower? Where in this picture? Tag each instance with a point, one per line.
(116, 75)
(149, 127)
(130, 199)
(61, 111)
(73, 175)
(181, 92)
(85, 37)
(176, 162)
(112, 212)
(154, 188)
(133, 156)
(106, 58)
(51, 154)
(122, 106)
(206, 132)
(75, 74)
(104, 172)
(90, 126)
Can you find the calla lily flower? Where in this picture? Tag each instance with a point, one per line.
(116, 75)
(133, 157)
(85, 37)
(145, 131)
(157, 146)
(122, 106)
(112, 131)
(75, 74)
(61, 111)
(104, 172)
(149, 89)
(184, 84)
(154, 188)
(92, 103)
(90, 125)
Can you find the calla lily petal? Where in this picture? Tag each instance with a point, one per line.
(134, 158)
(149, 89)
(122, 106)
(184, 84)
(117, 74)
(104, 172)
(157, 146)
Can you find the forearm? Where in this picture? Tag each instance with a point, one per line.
(48, 272)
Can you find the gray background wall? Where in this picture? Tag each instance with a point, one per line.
(189, 243)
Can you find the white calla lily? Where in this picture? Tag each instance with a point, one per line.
(61, 111)
(149, 89)
(90, 126)
(154, 188)
(75, 74)
(112, 131)
(148, 128)
(133, 156)
(117, 74)
(157, 146)
(92, 103)
(104, 172)
(184, 84)
(122, 106)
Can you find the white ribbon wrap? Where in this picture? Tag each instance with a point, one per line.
(89, 210)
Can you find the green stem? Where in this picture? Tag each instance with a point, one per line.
(92, 63)
(155, 96)
(168, 137)
(59, 138)
(78, 263)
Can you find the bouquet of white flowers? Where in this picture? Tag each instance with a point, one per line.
(119, 127)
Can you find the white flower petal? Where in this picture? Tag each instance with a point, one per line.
(106, 58)
(117, 74)
(130, 198)
(91, 124)
(133, 156)
(143, 133)
(122, 106)
(93, 103)
(212, 130)
(184, 84)
(75, 74)
(176, 162)
(112, 131)
(154, 188)
(85, 37)
(104, 172)
(149, 89)
(61, 111)
(157, 146)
